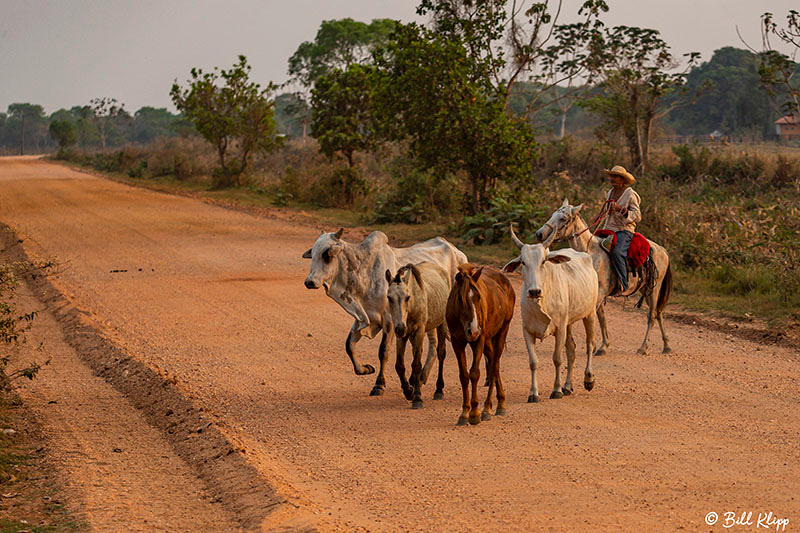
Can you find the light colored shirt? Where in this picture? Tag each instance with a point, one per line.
(627, 220)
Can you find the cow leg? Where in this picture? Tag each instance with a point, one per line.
(400, 367)
(416, 369)
(488, 352)
(460, 353)
(499, 346)
(533, 396)
(588, 376)
(432, 345)
(350, 346)
(570, 348)
(441, 352)
(474, 376)
(558, 362)
(601, 318)
(383, 355)
(651, 315)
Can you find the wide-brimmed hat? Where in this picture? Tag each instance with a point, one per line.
(620, 171)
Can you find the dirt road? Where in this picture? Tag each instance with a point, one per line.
(227, 383)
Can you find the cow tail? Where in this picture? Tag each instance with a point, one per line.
(666, 290)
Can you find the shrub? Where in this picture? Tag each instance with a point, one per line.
(341, 188)
(416, 195)
(491, 225)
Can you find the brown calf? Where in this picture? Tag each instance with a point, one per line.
(479, 311)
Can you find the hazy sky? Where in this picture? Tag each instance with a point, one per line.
(61, 53)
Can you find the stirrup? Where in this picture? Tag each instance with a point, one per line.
(607, 243)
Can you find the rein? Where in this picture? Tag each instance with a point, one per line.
(604, 211)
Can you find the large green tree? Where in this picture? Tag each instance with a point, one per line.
(231, 112)
(30, 118)
(63, 132)
(108, 115)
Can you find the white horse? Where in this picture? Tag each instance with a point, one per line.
(567, 224)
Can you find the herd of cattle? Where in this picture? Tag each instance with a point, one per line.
(430, 289)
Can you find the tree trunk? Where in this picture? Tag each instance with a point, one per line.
(22, 135)
(563, 124)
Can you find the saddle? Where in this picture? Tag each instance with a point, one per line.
(638, 251)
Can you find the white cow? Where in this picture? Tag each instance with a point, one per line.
(353, 275)
(558, 288)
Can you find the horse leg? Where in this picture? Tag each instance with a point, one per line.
(460, 353)
(350, 347)
(664, 338)
(499, 346)
(651, 312)
(588, 376)
(400, 368)
(488, 351)
(601, 318)
(432, 352)
(441, 350)
(474, 376)
(486, 383)
(416, 369)
(558, 362)
(383, 355)
(570, 347)
(533, 396)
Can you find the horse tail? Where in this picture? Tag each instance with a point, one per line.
(666, 290)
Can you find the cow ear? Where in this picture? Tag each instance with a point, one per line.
(557, 258)
(388, 276)
(512, 265)
(307, 254)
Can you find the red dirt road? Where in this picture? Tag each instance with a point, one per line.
(209, 356)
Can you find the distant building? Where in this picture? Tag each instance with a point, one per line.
(788, 128)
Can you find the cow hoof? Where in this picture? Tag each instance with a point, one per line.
(588, 385)
(642, 351)
(666, 350)
(533, 398)
(416, 404)
(438, 396)
(556, 395)
(462, 421)
(500, 412)
(368, 369)
(377, 390)
(600, 351)
(486, 415)
(565, 391)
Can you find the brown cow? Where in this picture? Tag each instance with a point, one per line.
(479, 311)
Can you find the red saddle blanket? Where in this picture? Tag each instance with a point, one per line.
(637, 251)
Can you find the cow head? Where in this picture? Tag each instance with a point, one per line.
(533, 258)
(399, 296)
(324, 264)
(470, 308)
(559, 223)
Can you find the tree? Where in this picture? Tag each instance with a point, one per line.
(633, 65)
(106, 113)
(337, 45)
(28, 115)
(232, 113)
(780, 73)
(432, 92)
(63, 133)
(342, 118)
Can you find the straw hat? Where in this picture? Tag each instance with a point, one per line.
(620, 171)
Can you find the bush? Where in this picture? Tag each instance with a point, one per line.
(341, 188)
(416, 195)
(492, 225)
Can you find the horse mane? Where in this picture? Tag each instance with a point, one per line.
(414, 271)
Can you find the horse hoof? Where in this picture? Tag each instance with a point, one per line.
(475, 421)
(486, 415)
(368, 369)
(533, 398)
(601, 351)
(409, 394)
(416, 404)
(556, 395)
(641, 351)
(566, 391)
(500, 412)
(462, 421)
(376, 391)
(666, 350)
(588, 385)
(438, 396)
